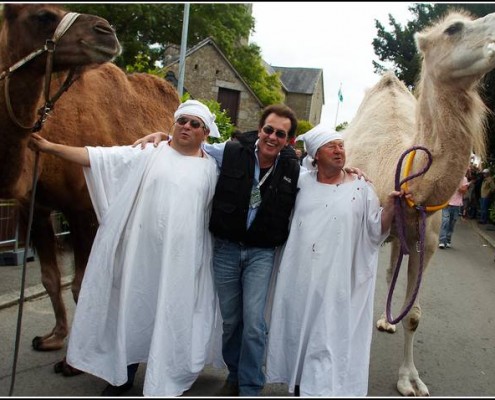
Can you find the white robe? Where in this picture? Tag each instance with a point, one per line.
(321, 321)
(147, 293)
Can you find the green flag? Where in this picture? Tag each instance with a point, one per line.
(341, 98)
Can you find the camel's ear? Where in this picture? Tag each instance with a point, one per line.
(421, 42)
(11, 11)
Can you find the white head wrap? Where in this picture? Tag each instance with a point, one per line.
(198, 109)
(318, 136)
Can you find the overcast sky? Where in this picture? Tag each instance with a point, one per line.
(334, 36)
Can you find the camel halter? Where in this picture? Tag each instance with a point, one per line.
(63, 26)
(49, 47)
(401, 224)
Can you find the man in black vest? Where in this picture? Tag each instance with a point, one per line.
(253, 201)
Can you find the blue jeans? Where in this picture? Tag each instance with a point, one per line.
(484, 206)
(242, 276)
(450, 215)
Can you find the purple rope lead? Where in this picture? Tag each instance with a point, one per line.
(400, 221)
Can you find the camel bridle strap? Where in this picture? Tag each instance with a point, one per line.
(49, 47)
(407, 169)
(63, 26)
(400, 222)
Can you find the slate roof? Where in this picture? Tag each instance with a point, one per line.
(299, 80)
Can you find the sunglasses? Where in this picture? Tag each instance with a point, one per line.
(193, 122)
(269, 130)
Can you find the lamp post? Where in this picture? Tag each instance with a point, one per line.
(183, 47)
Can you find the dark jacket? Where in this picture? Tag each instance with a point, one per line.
(270, 227)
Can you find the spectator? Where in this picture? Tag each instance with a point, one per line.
(299, 155)
(472, 193)
(487, 189)
(450, 215)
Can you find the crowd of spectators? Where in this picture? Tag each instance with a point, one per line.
(479, 197)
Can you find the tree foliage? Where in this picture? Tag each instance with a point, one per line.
(145, 29)
(342, 127)
(396, 49)
(303, 126)
(222, 119)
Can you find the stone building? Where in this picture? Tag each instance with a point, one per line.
(303, 91)
(209, 75)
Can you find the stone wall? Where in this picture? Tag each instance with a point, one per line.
(207, 71)
(307, 107)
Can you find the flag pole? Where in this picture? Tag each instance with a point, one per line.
(338, 104)
(336, 114)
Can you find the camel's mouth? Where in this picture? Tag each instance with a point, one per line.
(104, 53)
(490, 48)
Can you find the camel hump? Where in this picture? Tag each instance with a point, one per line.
(390, 81)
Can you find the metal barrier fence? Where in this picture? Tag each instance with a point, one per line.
(11, 243)
(9, 225)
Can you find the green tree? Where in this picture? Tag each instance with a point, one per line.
(147, 28)
(396, 50)
(342, 126)
(248, 62)
(225, 126)
(303, 126)
(142, 63)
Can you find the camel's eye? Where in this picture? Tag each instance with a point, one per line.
(46, 17)
(454, 28)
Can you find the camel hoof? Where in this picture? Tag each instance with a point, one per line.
(65, 369)
(47, 343)
(383, 326)
(37, 342)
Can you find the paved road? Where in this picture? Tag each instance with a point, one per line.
(454, 346)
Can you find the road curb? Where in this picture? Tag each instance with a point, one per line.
(30, 293)
(477, 228)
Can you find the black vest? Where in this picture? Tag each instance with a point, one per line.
(270, 227)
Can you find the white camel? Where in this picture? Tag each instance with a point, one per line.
(447, 117)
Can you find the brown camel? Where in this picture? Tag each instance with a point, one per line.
(447, 117)
(103, 107)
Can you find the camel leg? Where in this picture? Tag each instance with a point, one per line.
(83, 227)
(44, 241)
(409, 383)
(382, 324)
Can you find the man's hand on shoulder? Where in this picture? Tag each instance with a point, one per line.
(155, 138)
(360, 174)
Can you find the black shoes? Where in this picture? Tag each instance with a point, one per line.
(112, 391)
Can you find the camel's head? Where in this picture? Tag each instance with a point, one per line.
(26, 27)
(459, 48)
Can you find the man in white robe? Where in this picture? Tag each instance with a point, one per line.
(321, 319)
(148, 295)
